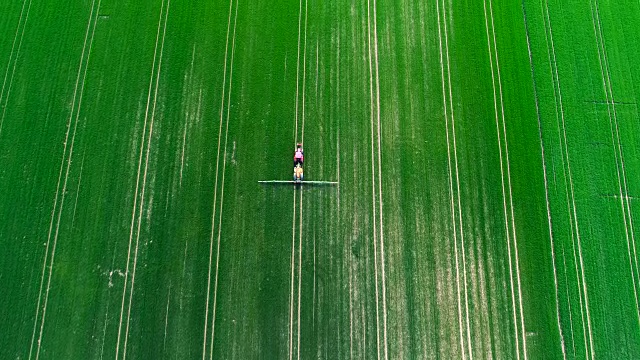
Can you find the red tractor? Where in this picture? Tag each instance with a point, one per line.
(298, 160)
(298, 174)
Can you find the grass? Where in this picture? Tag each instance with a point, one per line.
(486, 155)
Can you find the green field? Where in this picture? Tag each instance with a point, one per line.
(487, 156)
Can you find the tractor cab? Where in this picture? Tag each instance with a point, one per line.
(298, 155)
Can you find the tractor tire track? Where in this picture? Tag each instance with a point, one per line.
(380, 203)
(144, 179)
(67, 155)
(13, 60)
(224, 168)
(623, 190)
(546, 184)
(149, 117)
(294, 344)
(215, 187)
(215, 191)
(510, 231)
(454, 191)
(457, 172)
(376, 235)
(569, 186)
(304, 84)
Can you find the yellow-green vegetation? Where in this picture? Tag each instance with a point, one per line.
(487, 156)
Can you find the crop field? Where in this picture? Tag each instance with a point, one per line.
(486, 154)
